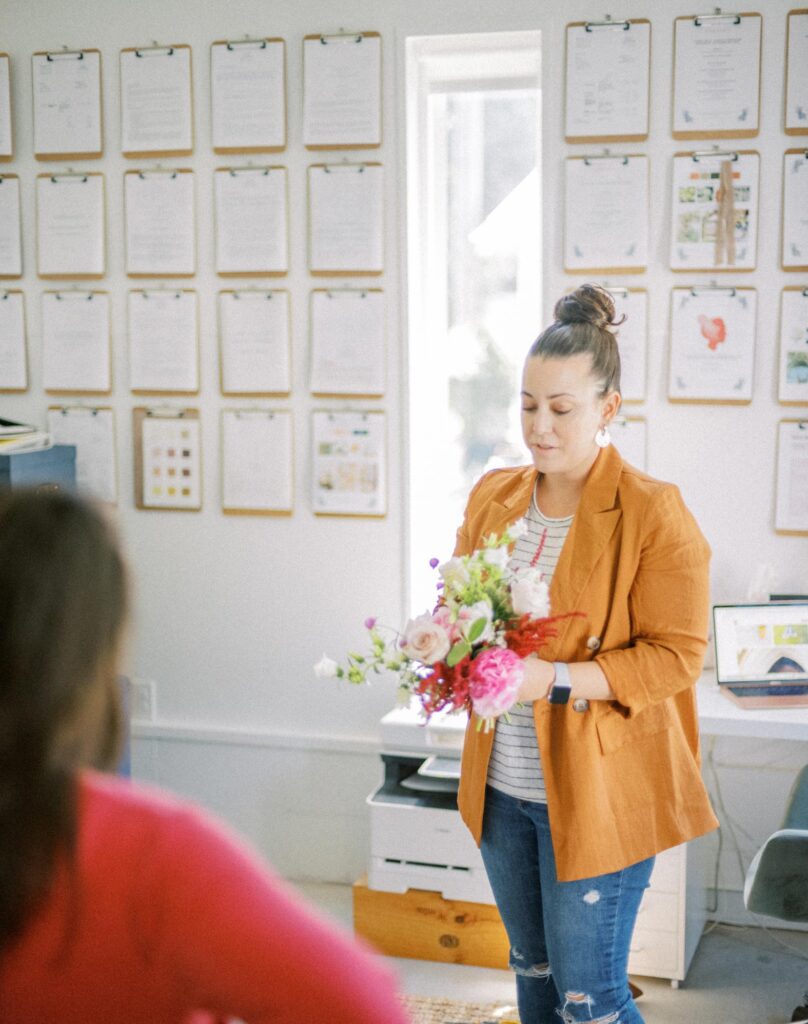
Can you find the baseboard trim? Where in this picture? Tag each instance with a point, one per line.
(178, 732)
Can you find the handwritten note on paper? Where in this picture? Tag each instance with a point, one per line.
(92, 431)
(342, 91)
(257, 460)
(156, 101)
(70, 225)
(163, 346)
(347, 342)
(252, 231)
(67, 103)
(10, 230)
(75, 342)
(160, 224)
(255, 342)
(13, 363)
(345, 210)
(248, 96)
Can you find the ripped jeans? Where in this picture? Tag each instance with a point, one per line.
(569, 940)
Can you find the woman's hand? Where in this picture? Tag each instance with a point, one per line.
(538, 679)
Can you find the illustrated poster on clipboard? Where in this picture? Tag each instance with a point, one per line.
(168, 459)
(792, 387)
(349, 455)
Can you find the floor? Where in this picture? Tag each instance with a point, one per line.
(738, 975)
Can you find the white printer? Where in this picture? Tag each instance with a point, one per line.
(417, 840)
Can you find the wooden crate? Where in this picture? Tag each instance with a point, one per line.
(423, 925)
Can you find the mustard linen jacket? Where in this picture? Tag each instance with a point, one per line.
(623, 778)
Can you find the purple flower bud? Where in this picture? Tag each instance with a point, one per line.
(434, 563)
(370, 623)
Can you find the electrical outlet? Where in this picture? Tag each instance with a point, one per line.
(143, 700)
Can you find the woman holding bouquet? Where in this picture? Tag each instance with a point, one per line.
(598, 770)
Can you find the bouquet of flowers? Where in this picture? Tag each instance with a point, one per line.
(466, 654)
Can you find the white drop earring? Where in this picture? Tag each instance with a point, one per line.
(603, 438)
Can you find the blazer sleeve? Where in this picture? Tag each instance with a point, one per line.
(669, 602)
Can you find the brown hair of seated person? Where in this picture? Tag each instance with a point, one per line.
(63, 606)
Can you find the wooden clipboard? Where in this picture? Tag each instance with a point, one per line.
(791, 131)
(617, 290)
(789, 267)
(140, 154)
(338, 394)
(729, 133)
(68, 410)
(171, 392)
(784, 401)
(231, 510)
(149, 275)
(354, 272)
(4, 294)
(81, 155)
(15, 177)
(139, 415)
(255, 394)
(267, 41)
(803, 425)
(6, 98)
(77, 392)
(55, 177)
(615, 25)
(260, 273)
(358, 36)
(384, 463)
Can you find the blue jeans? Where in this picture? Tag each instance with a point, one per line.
(569, 940)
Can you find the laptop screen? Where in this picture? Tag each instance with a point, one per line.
(761, 642)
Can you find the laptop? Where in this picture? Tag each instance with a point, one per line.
(761, 653)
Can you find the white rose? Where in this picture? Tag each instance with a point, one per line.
(497, 557)
(326, 668)
(468, 615)
(517, 529)
(425, 640)
(530, 595)
(454, 573)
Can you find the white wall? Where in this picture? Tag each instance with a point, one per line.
(232, 612)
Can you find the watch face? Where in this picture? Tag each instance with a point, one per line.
(559, 694)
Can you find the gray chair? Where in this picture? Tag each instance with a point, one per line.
(777, 880)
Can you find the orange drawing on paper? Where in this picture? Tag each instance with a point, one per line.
(713, 329)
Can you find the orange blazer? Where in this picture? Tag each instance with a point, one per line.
(623, 777)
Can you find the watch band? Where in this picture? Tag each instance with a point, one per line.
(559, 692)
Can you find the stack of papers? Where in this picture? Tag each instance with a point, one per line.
(22, 437)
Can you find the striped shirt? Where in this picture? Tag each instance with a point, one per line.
(515, 765)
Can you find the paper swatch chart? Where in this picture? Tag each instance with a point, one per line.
(349, 463)
(715, 211)
(252, 226)
(606, 214)
(168, 459)
(160, 224)
(347, 342)
(70, 225)
(345, 219)
(607, 81)
(257, 461)
(67, 104)
(794, 255)
(156, 101)
(792, 386)
(13, 361)
(255, 339)
(629, 436)
(342, 87)
(712, 344)
(92, 431)
(796, 101)
(791, 511)
(248, 96)
(716, 76)
(631, 340)
(6, 133)
(10, 227)
(76, 342)
(163, 341)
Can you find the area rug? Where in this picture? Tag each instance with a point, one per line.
(424, 1010)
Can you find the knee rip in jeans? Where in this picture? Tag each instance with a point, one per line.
(534, 971)
(580, 999)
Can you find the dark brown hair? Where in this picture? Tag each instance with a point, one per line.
(585, 322)
(63, 603)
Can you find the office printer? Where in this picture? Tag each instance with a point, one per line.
(417, 840)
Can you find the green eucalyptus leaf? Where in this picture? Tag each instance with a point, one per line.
(477, 629)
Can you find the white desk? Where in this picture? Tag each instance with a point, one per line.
(719, 716)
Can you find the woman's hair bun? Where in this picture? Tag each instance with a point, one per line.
(589, 304)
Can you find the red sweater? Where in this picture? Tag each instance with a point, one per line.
(173, 920)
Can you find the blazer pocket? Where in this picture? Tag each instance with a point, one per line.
(615, 730)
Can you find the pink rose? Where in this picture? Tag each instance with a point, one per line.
(494, 681)
(425, 640)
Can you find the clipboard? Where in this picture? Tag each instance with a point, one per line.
(349, 477)
(802, 428)
(5, 297)
(253, 225)
(80, 295)
(792, 365)
(339, 359)
(184, 174)
(171, 294)
(282, 365)
(177, 446)
(74, 179)
(239, 46)
(284, 420)
(724, 133)
(90, 55)
(6, 125)
(624, 426)
(13, 198)
(105, 487)
(638, 396)
(347, 39)
(800, 165)
(608, 25)
(795, 107)
(156, 52)
(376, 226)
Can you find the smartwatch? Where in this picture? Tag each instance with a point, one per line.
(559, 692)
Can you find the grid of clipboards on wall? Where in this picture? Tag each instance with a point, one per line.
(156, 335)
(710, 220)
